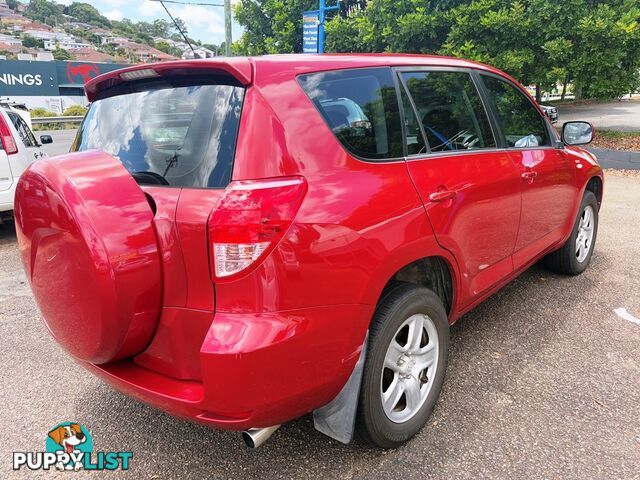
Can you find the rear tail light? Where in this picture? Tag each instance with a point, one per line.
(8, 142)
(249, 221)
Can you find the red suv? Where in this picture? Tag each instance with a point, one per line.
(243, 241)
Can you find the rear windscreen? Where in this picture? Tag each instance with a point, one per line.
(181, 136)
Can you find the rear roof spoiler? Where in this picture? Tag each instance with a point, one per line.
(239, 68)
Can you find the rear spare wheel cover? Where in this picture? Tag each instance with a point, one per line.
(88, 245)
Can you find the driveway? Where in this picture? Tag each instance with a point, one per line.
(622, 115)
(543, 382)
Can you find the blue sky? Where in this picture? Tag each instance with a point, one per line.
(204, 23)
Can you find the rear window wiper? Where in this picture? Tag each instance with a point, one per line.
(172, 162)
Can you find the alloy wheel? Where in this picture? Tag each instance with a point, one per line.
(409, 368)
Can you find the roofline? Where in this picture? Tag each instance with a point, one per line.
(242, 68)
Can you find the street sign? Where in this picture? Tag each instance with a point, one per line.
(310, 23)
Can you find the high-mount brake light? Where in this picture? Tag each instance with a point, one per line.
(139, 74)
(249, 221)
(8, 142)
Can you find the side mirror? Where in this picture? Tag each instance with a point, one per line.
(44, 139)
(577, 133)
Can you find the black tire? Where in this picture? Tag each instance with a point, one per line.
(404, 300)
(564, 260)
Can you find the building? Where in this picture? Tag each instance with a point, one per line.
(67, 44)
(53, 85)
(16, 49)
(9, 40)
(144, 53)
(6, 12)
(91, 55)
(111, 39)
(44, 34)
(198, 52)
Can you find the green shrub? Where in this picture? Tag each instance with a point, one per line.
(75, 111)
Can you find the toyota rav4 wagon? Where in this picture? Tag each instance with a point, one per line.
(244, 241)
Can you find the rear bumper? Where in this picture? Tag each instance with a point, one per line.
(257, 370)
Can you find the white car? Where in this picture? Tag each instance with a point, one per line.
(18, 149)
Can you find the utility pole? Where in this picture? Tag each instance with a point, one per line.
(227, 28)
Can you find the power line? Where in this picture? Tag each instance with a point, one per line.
(227, 20)
(190, 3)
(186, 39)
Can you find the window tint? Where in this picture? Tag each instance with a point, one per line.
(361, 108)
(450, 110)
(24, 132)
(181, 136)
(519, 120)
(414, 138)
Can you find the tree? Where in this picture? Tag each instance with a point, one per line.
(175, 32)
(12, 4)
(31, 42)
(606, 55)
(160, 28)
(8, 55)
(83, 12)
(412, 26)
(271, 26)
(216, 49)
(167, 48)
(61, 54)
(163, 46)
(593, 43)
(44, 11)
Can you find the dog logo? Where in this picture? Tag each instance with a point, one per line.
(69, 447)
(72, 439)
(86, 71)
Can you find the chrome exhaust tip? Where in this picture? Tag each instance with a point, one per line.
(254, 437)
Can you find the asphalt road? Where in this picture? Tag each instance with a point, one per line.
(543, 382)
(622, 115)
(62, 140)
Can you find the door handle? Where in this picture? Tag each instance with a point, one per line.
(442, 195)
(529, 176)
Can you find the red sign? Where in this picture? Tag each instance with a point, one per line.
(85, 71)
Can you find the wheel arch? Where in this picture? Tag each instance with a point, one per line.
(595, 185)
(434, 272)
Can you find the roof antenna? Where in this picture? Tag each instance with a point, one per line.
(195, 55)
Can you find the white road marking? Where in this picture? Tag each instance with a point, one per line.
(622, 313)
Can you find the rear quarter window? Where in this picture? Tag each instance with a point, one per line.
(360, 107)
(181, 136)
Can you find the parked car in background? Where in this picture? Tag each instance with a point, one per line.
(242, 241)
(19, 108)
(18, 149)
(551, 112)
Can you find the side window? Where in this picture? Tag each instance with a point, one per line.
(23, 130)
(361, 108)
(450, 109)
(521, 123)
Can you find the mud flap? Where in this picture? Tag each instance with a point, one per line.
(337, 418)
